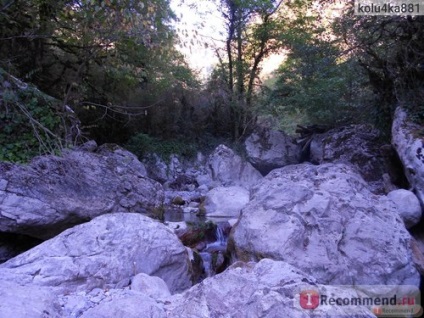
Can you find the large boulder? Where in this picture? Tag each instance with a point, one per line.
(417, 246)
(151, 286)
(104, 253)
(408, 141)
(358, 145)
(229, 169)
(408, 206)
(128, 304)
(265, 289)
(325, 221)
(269, 149)
(100, 303)
(223, 167)
(156, 168)
(226, 201)
(28, 301)
(176, 170)
(54, 193)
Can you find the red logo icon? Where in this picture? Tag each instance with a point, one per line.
(377, 311)
(309, 299)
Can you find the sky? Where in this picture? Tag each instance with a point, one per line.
(209, 25)
(197, 27)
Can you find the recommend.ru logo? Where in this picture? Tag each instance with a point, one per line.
(381, 300)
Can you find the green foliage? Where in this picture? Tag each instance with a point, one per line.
(197, 232)
(143, 144)
(390, 50)
(255, 30)
(320, 82)
(110, 61)
(158, 213)
(315, 85)
(29, 121)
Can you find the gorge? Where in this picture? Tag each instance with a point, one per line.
(103, 232)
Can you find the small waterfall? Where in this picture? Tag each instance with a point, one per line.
(207, 263)
(213, 254)
(220, 236)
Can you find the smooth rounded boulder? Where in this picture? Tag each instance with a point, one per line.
(104, 253)
(408, 206)
(409, 145)
(268, 149)
(358, 145)
(226, 201)
(54, 193)
(229, 169)
(325, 221)
(264, 289)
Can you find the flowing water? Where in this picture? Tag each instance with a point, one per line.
(214, 252)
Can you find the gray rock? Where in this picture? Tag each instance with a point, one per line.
(3, 184)
(266, 289)
(190, 210)
(193, 204)
(169, 170)
(186, 196)
(129, 305)
(184, 182)
(151, 286)
(203, 188)
(269, 149)
(358, 145)
(90, 146)
(177, 227)
(408, 206)
(28, 301)
(230, 169)
(222, 168)
(409, 145)
(101, 254)
(417, 247)
(110, 303)
(54, 193)
(156, 168)
(232, 222)
(325, 221)
(204, 180)
(226, 201)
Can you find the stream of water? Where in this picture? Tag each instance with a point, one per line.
(213, 251)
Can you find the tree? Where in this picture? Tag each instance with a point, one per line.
(76, 36)
(318, 84)
(390, 49)
(108, 60)
(255, 29)
(252, 34)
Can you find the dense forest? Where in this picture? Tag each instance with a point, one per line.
(110, 70)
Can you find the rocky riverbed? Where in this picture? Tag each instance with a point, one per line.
(98, 233)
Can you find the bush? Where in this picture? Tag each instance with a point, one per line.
(318, 88)
(30, 124)
(143, 144)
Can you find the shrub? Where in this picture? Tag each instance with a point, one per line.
(143, 144)
(30, 124)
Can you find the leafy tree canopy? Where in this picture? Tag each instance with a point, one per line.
(110, 61)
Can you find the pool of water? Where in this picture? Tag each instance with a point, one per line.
(177, 215)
